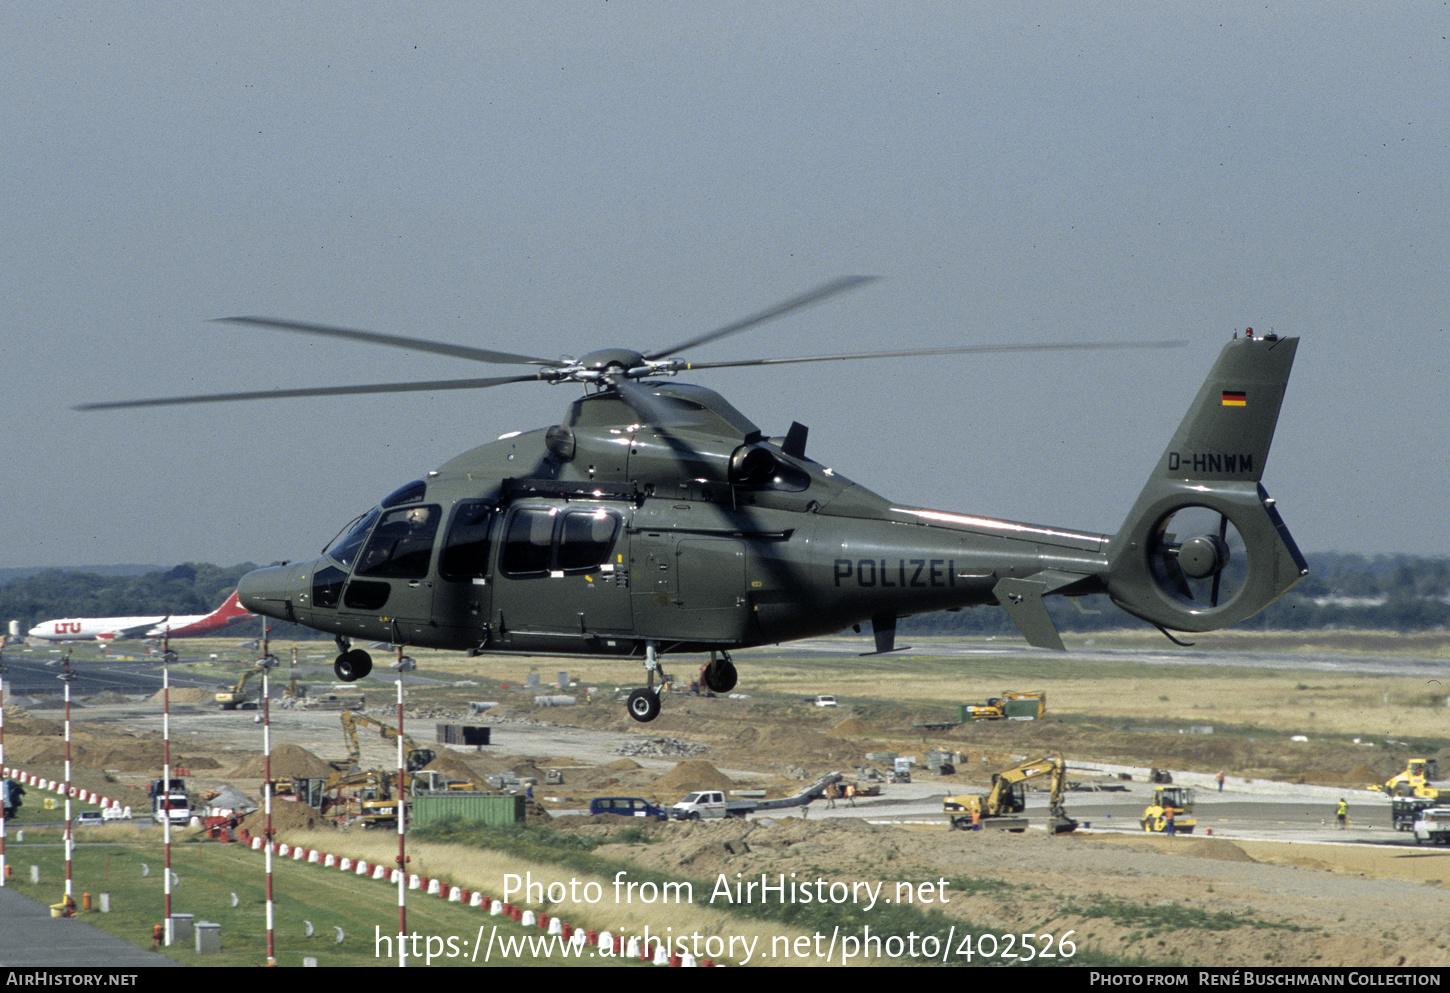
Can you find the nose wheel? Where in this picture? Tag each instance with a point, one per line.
(644, 704)
(352, 664)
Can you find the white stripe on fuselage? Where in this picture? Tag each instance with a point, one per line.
(988, 524)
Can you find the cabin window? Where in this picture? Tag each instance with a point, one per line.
(366, 594)
(466, 546)
(585, 539)
(528, 542)
(542, 540)
(401, 545)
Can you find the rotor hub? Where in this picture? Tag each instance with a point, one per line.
(1203, 556)
(615, 360)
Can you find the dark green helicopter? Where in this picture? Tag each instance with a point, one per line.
(657, 519)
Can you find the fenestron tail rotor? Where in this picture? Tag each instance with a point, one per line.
(1198, 557)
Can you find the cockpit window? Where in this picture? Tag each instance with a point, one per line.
(345, 547)
(402, 544)
(411, 493)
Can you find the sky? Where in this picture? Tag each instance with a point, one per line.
(553, 178)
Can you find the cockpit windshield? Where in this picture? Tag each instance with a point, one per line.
(344, 548)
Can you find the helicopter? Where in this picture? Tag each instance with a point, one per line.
(655, 519)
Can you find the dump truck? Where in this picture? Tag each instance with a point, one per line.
(1002, 808)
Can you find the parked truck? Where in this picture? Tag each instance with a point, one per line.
(705, 805)
(169, 801)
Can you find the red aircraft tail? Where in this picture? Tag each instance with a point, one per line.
(227, 614)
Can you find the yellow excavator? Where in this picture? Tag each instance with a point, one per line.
(231, 698)
(379, 798)
(1002, 808)
(414, 756)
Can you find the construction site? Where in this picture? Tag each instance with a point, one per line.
(1051, 821)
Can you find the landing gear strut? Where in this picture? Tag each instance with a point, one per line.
(351, 664)
(644, 704)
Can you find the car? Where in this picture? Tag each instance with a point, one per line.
(90, 817)
(824, 701)
(1433, 825)
(627, 806)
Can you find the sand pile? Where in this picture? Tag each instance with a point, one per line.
(91, 752)
(287, 815)
(454, 768)
(288, 761)
(184, 695)
(692, 775)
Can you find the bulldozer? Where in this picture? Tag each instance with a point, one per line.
(1178, 799)
(1002, 808)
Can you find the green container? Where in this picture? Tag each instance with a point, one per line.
(485, 808)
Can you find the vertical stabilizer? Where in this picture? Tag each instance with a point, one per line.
(1204, 546)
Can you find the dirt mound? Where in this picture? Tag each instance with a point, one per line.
(1216, 848)
(106, 698)
(452, 767)
(123, 754)
(852, 727)
(287, 761)
(807, 747)
(286, 816)
(184, 695)
(1361, 776)
(695, 774)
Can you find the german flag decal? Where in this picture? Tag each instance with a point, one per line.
(1235, 398)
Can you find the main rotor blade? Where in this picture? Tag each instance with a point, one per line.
(316, 391)
(394, 341)
(794, 303)
(651, 409)
(962, 350)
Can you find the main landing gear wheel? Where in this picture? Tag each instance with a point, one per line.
(352, 665)
(643, 705)
(720, 674)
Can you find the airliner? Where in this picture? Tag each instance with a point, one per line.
(114, 628)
